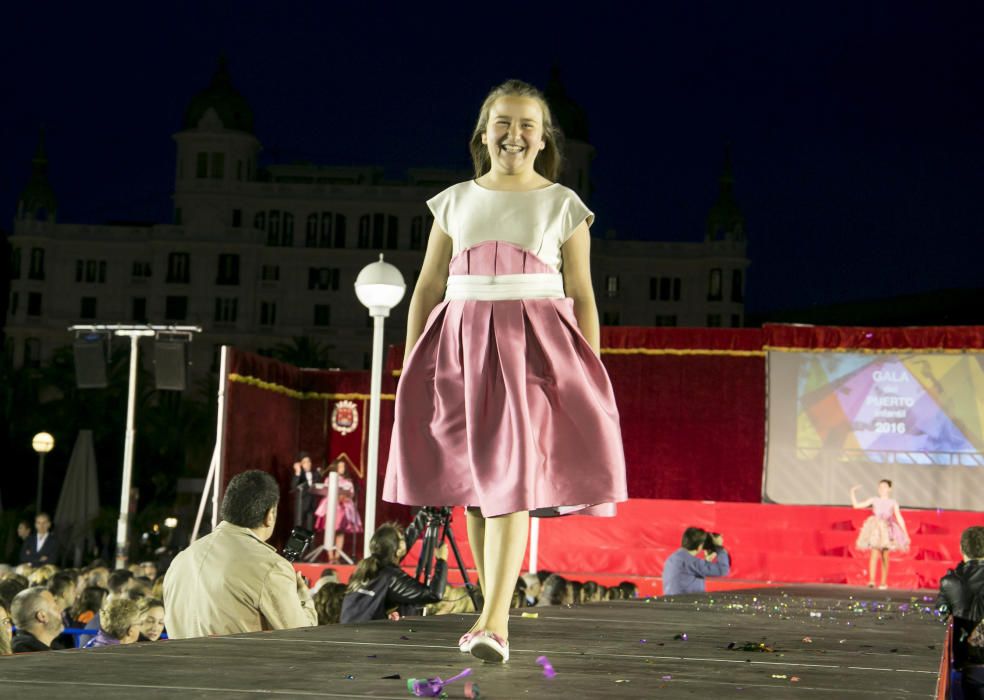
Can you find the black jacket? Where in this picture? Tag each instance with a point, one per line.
(962, 595)
(48, 554)
(25, 641)
(390, 589)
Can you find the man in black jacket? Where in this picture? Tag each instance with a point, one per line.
(42, 547)
(37, 618)
(962, 595)
(305, 502)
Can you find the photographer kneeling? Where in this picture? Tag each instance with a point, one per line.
(685, 571)
(379, 586)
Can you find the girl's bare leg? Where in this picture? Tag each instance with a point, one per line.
(476, 540)
(872, 566)
(884, 559)
(505, 544)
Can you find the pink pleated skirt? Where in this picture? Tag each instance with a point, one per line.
(503, 405)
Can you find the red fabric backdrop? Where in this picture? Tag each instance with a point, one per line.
(691, 401)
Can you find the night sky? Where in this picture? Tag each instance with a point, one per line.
(857, 127)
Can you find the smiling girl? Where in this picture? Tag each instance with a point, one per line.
(503, 405)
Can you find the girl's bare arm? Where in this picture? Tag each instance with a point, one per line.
(577, 285)
(430, 287)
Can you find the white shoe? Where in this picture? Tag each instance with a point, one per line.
(464, 644)
(489, 647)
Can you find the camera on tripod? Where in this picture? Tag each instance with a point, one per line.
(432, 524)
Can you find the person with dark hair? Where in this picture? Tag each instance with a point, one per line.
(231, 580)
(962, 596)
(685, 570)
(554, 592)
(328, 602)
(379, 586)
(120, 624)
(10, 586)
(42, 547)
(87, 605)
(62, 587)
(304, 480)
(38, 620)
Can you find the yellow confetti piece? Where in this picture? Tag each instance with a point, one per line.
(531, 616)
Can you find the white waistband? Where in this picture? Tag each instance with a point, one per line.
(539, 285)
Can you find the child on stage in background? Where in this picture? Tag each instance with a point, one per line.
(347, 519)
(882, 532)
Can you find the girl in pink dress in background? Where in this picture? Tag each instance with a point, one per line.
(503, 405)
(882, 532)
(347, 519)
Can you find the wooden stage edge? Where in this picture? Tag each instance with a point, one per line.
(815, 641)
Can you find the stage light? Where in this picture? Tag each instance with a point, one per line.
(379, 287)
(89, 353)
(171, 361)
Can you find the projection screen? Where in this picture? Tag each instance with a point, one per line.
(836, 419)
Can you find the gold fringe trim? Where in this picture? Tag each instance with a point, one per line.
(677, 351)
(303, 395)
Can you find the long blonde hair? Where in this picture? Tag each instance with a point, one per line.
(548, 161)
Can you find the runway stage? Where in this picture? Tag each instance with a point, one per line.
(825, 642)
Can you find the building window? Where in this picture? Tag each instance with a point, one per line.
(201, 168)
(179, 268)
(225, 310)
(228, 272)
(15, 263)
(14, 299)
(664, 288)
(323, 278)
(237, 217)
(611, 286)
(379, 230)
(713, 320)
(270, 273)
(611, 318)
(102, 272)
(36, 270)
(32, 353)
(280, 228)
(239, 170)
(419, 226)
(141, 270)
(268, 313)
(218, 166)
(79, 270)
(259, 221)
(714, 285)
(138, 310)
(665, 320)
(325, 230)
(392, 232)
(176, 308)
(287, 237)
(178, 221)
(322, 315)
(34, 304)
(737, 286)
(736, 320)
(87, 309)
(364, 231)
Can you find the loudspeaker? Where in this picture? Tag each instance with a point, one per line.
(170, 364)
(90, 361)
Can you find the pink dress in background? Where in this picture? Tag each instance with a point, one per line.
(347, 517)
(882, 530)
(502, 404)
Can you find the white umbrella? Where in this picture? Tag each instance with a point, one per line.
(78, 504)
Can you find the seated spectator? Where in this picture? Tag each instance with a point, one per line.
(685, 570)
(42, 547)
(328, 602)
(961, 592)
(629, 590)
(151, 619)
(42, 574)
(97, 575)
(10, 586)
(87, 605)
(554, 591)
(233, 581)
(591, 591)
(38, 620)
(379, 587)
(6, 630)
(533, 586)
(62, 587)
(119, 581)
(456, 601)
(148, 570)
(119, 624)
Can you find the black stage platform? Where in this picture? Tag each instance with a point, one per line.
(817, 642)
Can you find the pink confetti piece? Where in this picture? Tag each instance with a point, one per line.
(667, 678)
(548, 669)
(432, 687)
(471, 690)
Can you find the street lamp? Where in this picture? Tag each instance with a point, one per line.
(42, 443)
(379, 287)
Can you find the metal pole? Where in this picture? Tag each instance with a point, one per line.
(375, 388)
(212, 466)
(122, 526)
(220, 434)
(331, 512)
(534, 543)
(37, 507)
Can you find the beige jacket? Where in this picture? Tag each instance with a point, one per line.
(229, 582)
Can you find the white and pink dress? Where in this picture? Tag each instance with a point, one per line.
(502, 404)
(881, 530)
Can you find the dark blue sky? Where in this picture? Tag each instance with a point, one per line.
(858, 127)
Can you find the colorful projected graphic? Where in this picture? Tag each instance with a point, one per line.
(919, 409)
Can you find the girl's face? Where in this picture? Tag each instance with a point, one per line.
(884, 489)
(152, 624)
(342, 467)
(514, 134)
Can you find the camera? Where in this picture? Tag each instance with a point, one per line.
(709, 545)
(297, 543)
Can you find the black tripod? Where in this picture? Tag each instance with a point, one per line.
(435, 525)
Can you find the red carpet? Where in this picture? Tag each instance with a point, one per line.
(768, 544)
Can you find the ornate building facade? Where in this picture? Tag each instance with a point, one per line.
(258, 256)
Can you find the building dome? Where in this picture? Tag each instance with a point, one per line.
(725, 220)
(567, 114)
(231, 107)
(38, 198)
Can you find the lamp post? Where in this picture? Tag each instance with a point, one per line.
(42, 443)
(379, 287)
